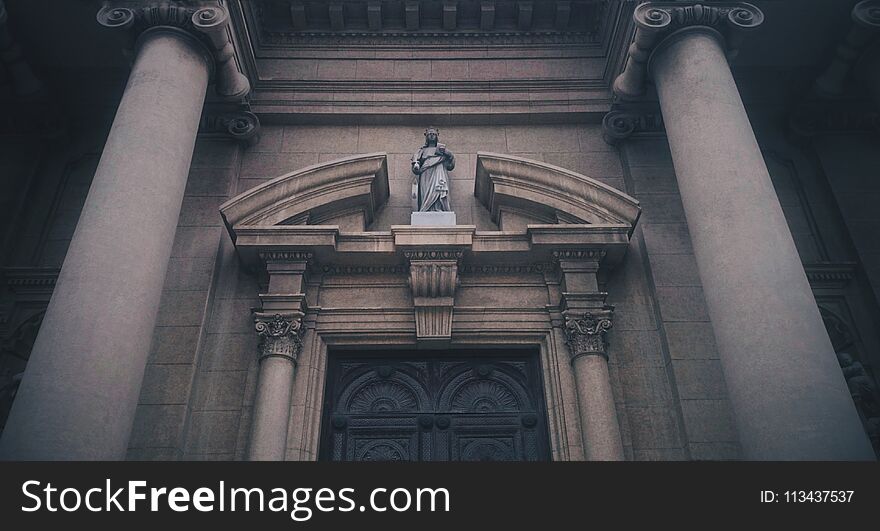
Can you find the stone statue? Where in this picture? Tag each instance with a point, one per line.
(430, 165)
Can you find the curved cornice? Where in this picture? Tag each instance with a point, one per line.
(506, 180)
(360, 181)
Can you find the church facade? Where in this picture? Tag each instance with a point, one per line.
(431, 230)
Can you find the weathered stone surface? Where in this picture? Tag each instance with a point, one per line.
(735, 218)
(166, 384)
(119, 278)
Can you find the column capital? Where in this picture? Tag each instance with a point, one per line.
(655, 21)
(867, 14)
(280, 334)
(585, 332)
(864, 31)
(205, 21)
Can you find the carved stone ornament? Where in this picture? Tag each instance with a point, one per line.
(585, 333)
(657, 20)
(280, 334)
(433, 279)
(624, 121)
(864, 30)
(286, 256)
(579, 254)
(239, 125)
(206, 21)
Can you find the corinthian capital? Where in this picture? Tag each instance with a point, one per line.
(280, 334)
(657, 20)
(585, 333)
(205, 20)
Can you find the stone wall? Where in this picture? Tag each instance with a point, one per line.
(170, 405)
(198, 387)
(652, 417)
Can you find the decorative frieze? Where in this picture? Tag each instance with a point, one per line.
(579, 254)
(206, 21)
(280, 334)
(503, 269)
(286, 256)
(833, 117)
(585, 333)
(446, 254)
(365, 22)
(657, 20)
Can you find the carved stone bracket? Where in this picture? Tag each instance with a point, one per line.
(585, 332)
(865, 29)
(280, 334)
(206, 21)
(657, 20)
(433, 280)
(241, 125)
(624, 121)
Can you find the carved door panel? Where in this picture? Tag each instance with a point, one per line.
(447, 407)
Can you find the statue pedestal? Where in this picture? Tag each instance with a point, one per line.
(433, 219)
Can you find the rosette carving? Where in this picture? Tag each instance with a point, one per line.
(205, 21)
(280, 334)
(585, 333)
(656, 20)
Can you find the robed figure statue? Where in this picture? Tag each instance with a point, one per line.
(430, 165)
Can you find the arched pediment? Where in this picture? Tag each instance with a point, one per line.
(515, 183)
(324, 191)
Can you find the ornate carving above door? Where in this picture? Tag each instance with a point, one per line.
(446, 407)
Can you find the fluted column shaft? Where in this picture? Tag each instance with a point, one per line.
(78, 396)
(789, 398)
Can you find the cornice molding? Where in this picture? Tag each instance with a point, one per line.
(655, 21)
(287, 256)
(829, 117)
(414, 24)
(206, 21)
(830, 275)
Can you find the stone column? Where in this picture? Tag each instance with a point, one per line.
(587, 319)
(280, 345)
(280, 327)
(78, 396)
(789, 398)
(585, 336)
(855, 51)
